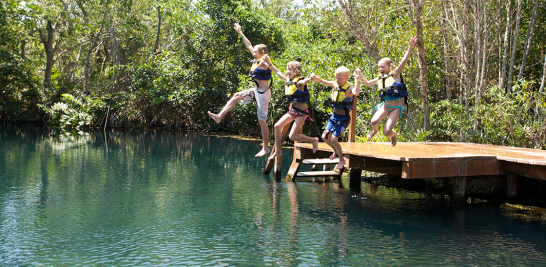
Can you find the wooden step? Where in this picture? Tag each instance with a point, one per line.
(317, 174)
(320, 161)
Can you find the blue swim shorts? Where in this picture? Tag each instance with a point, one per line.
(337, 124)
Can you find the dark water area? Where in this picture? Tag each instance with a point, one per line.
(120, 198)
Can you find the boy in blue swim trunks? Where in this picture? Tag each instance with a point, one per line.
(342, 99)
(393, 90)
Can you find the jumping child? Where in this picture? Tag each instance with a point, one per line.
(260, 74)
(342, 99)
(296, 92)
(393, 92)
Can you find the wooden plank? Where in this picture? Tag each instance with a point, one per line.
(375, 165)
(462, 167)
(320, 161)
(296, 164)
(277, 161)
(352, 123)
(412, 151)
(529, 171)
(318, 174)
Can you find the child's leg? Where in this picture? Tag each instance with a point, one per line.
(265, 136)
(389, 126)
(326, 137)
(286, 119)
(227, 108)
(379, 115)
(262, 106)
(301, 137)
(337, 148)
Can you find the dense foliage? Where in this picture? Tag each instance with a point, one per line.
(147, 64)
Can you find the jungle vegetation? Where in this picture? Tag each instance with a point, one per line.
(477, 73)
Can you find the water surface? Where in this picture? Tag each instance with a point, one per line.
(120, 198)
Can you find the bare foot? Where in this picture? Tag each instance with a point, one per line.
(394, 140)
(274, 154)
(340, 165)
(215, 117)
(315, 145)
(333, 156)
(262, 152)
(370, 135)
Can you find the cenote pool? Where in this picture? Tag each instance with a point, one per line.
(119, 198)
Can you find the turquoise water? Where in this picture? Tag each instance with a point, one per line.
(178, 199)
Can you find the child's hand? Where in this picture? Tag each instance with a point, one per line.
(266, 58)
(237, 27)
(313, 76)
(357, 73)
(413, 41)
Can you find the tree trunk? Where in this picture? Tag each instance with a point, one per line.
(371, 49)
(505, 52)
(23, 49)
(49, 47)
(423, 63)
(75, 65)
(446, 61)
(541, 89)
(158, 29)
(528, 39)
(86, 70)
(477, 52)
(514, 48)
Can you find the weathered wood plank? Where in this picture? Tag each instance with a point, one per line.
(320, 161)
(529, 171)
(317, 174)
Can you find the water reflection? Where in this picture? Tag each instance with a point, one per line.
(166, 198)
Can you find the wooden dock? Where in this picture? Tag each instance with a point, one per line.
(422, 160)
(412, 160)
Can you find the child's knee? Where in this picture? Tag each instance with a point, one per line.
(333, 138)
(292, 136)
(375, 122)
(325, 136)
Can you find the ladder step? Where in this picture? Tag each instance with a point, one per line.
(320, 161)
(318, 173)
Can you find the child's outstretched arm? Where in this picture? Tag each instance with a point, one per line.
(248, 44)
(320, 80)
(400, 67)
(356, 89)
(267, 60)
(302, 83)
(365, 81)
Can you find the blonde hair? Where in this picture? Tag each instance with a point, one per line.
(262, 48)
(296, 67)
(343, 71)
(387, 61)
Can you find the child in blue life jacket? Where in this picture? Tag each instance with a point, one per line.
(260, 74)
(297, 94)
(342, 99)
(393, 94)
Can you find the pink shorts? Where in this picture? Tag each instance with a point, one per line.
(297, 113)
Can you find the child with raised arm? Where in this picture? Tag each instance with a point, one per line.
(260, 74)
(297, 94)
(342, 99)
(393, 94)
